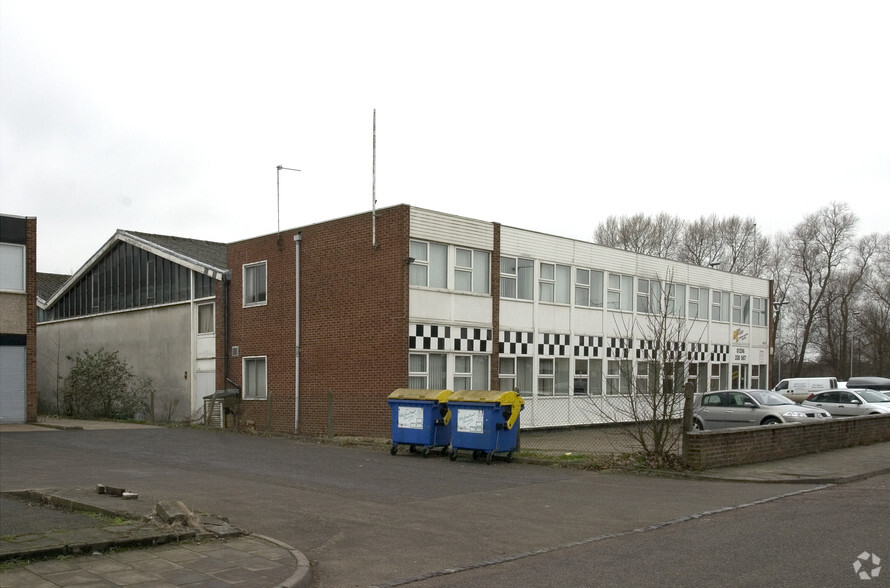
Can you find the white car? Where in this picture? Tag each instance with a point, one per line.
(849, 402)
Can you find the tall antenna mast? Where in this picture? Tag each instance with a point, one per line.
(374, 180)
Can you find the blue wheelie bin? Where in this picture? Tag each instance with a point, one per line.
(420, 420)
(485, 421)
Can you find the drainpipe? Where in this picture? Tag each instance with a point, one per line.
(298, 238)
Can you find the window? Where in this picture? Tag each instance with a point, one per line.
(758, 377)
(698, 376)
(471, 372)
(515, 373)
(254, 384)
(555, 283)
(427, 371)
(471, 270)
(758, 312)
(648, 296)
(620, 292)
(644, 368)
(553, 377)
(517, 278)
(205, 319)
(430, 265)
(589, 288)
(741, 309)
(719, 305)
(719, 376)
(698, 303)
(12, 267)
(676, 299)
(616, 381)
(255, 284)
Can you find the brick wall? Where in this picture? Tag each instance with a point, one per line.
(353, 324)
(715, 449)
(31, 336)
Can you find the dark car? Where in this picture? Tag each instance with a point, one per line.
(724, 409)
(869, 383)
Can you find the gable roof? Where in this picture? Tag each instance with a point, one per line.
(49, 284)
(205, 257)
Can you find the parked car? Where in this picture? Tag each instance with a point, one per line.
(870, 383)
(848, 402)
(797, 389)
(724, 409)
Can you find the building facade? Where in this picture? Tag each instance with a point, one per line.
(324, 322)
(18, 319)
(151, 298)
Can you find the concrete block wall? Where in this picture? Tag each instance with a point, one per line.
(715, 449)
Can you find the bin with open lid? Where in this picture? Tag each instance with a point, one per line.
(420, 419)
(485, 421)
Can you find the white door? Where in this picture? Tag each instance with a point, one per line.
(13, 405)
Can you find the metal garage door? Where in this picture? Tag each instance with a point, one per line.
(12, 384)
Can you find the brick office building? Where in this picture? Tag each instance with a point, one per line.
(322, 322)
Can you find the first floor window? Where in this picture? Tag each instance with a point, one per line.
(555, 283)
(254, 385)
(429, 265)
(620, 292)
(255, 284)
(589, 288)
(12, 267)
(719, 307)
(741, 309)
(517, 278)
(471, 269)
(698, 303)
(758, 312)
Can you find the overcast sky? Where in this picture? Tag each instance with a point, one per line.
(170, 117)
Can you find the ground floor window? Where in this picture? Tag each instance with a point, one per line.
(427, 371)
(719, 376)
(254, 384)
(739, 376)
(617, 378)
(553, 376)
(515, 373)
(758, 377)
(470, 372)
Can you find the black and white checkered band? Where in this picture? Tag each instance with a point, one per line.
(588, 346)
(618, 347)
(697, 352)
(516, 342)
(720, 354)
(447, 338)
(429, 338)
(553, 345)
(647, 349)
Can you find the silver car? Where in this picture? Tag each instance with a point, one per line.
(745, 408)
(847, 403)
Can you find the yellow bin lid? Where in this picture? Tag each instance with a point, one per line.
(418, 394)
(493, 396)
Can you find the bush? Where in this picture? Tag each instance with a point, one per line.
(102, 385)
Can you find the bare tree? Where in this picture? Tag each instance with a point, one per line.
(658, 236)
(733, 243)
(818, 246)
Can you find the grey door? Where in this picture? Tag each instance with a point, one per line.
(12, 384)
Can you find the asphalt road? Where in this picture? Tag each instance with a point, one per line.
(364, 517)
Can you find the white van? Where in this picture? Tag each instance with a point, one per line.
(797, 389)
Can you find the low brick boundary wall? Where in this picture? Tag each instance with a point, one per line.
(716, 449)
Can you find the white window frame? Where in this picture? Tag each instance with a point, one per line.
(741, 309)
(698, 308)
(13, 261)
(429, 264)
(248, 277)
(649, 296)
(616, 380)
(247, 387)
(421, 378)
(473, 265)
(520, 272)
(588, 288)
(758, 312)
(516, 373)
(675, 298)
(619, 292)
(470, 372)
(204, 305)
(555, 283)
(720, 302)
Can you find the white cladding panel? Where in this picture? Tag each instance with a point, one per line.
(454, 230)
(444, 307)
